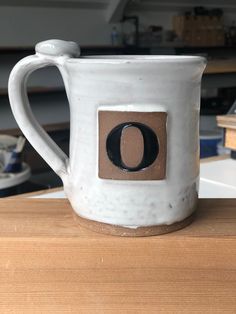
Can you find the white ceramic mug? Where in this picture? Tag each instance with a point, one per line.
(134, 143)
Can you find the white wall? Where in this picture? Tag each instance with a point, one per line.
(25, 26)
(164, 18)
(147, 18)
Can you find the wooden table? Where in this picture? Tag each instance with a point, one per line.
(49, 264)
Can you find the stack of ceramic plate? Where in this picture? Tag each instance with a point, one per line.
(7, 180)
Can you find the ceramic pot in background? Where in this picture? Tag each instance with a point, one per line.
(134, 144)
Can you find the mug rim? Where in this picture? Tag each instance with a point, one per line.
(120, 59)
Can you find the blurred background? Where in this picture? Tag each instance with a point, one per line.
(171, 27)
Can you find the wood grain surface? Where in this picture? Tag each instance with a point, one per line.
(49, 264)
(230, 138)
(221, 66)
(52, 127)
(210, 159)
(226, 121)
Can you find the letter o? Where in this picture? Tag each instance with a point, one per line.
(150, 142)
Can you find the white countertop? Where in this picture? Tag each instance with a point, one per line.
(217, 180)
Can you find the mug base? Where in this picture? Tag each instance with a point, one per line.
(115, 230)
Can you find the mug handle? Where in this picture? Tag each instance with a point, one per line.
(50, 52)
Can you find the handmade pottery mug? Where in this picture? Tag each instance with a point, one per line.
(134, 145)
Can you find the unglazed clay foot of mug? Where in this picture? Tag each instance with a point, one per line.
(132, 232)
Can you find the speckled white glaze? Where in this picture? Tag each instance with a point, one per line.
(128, 83)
